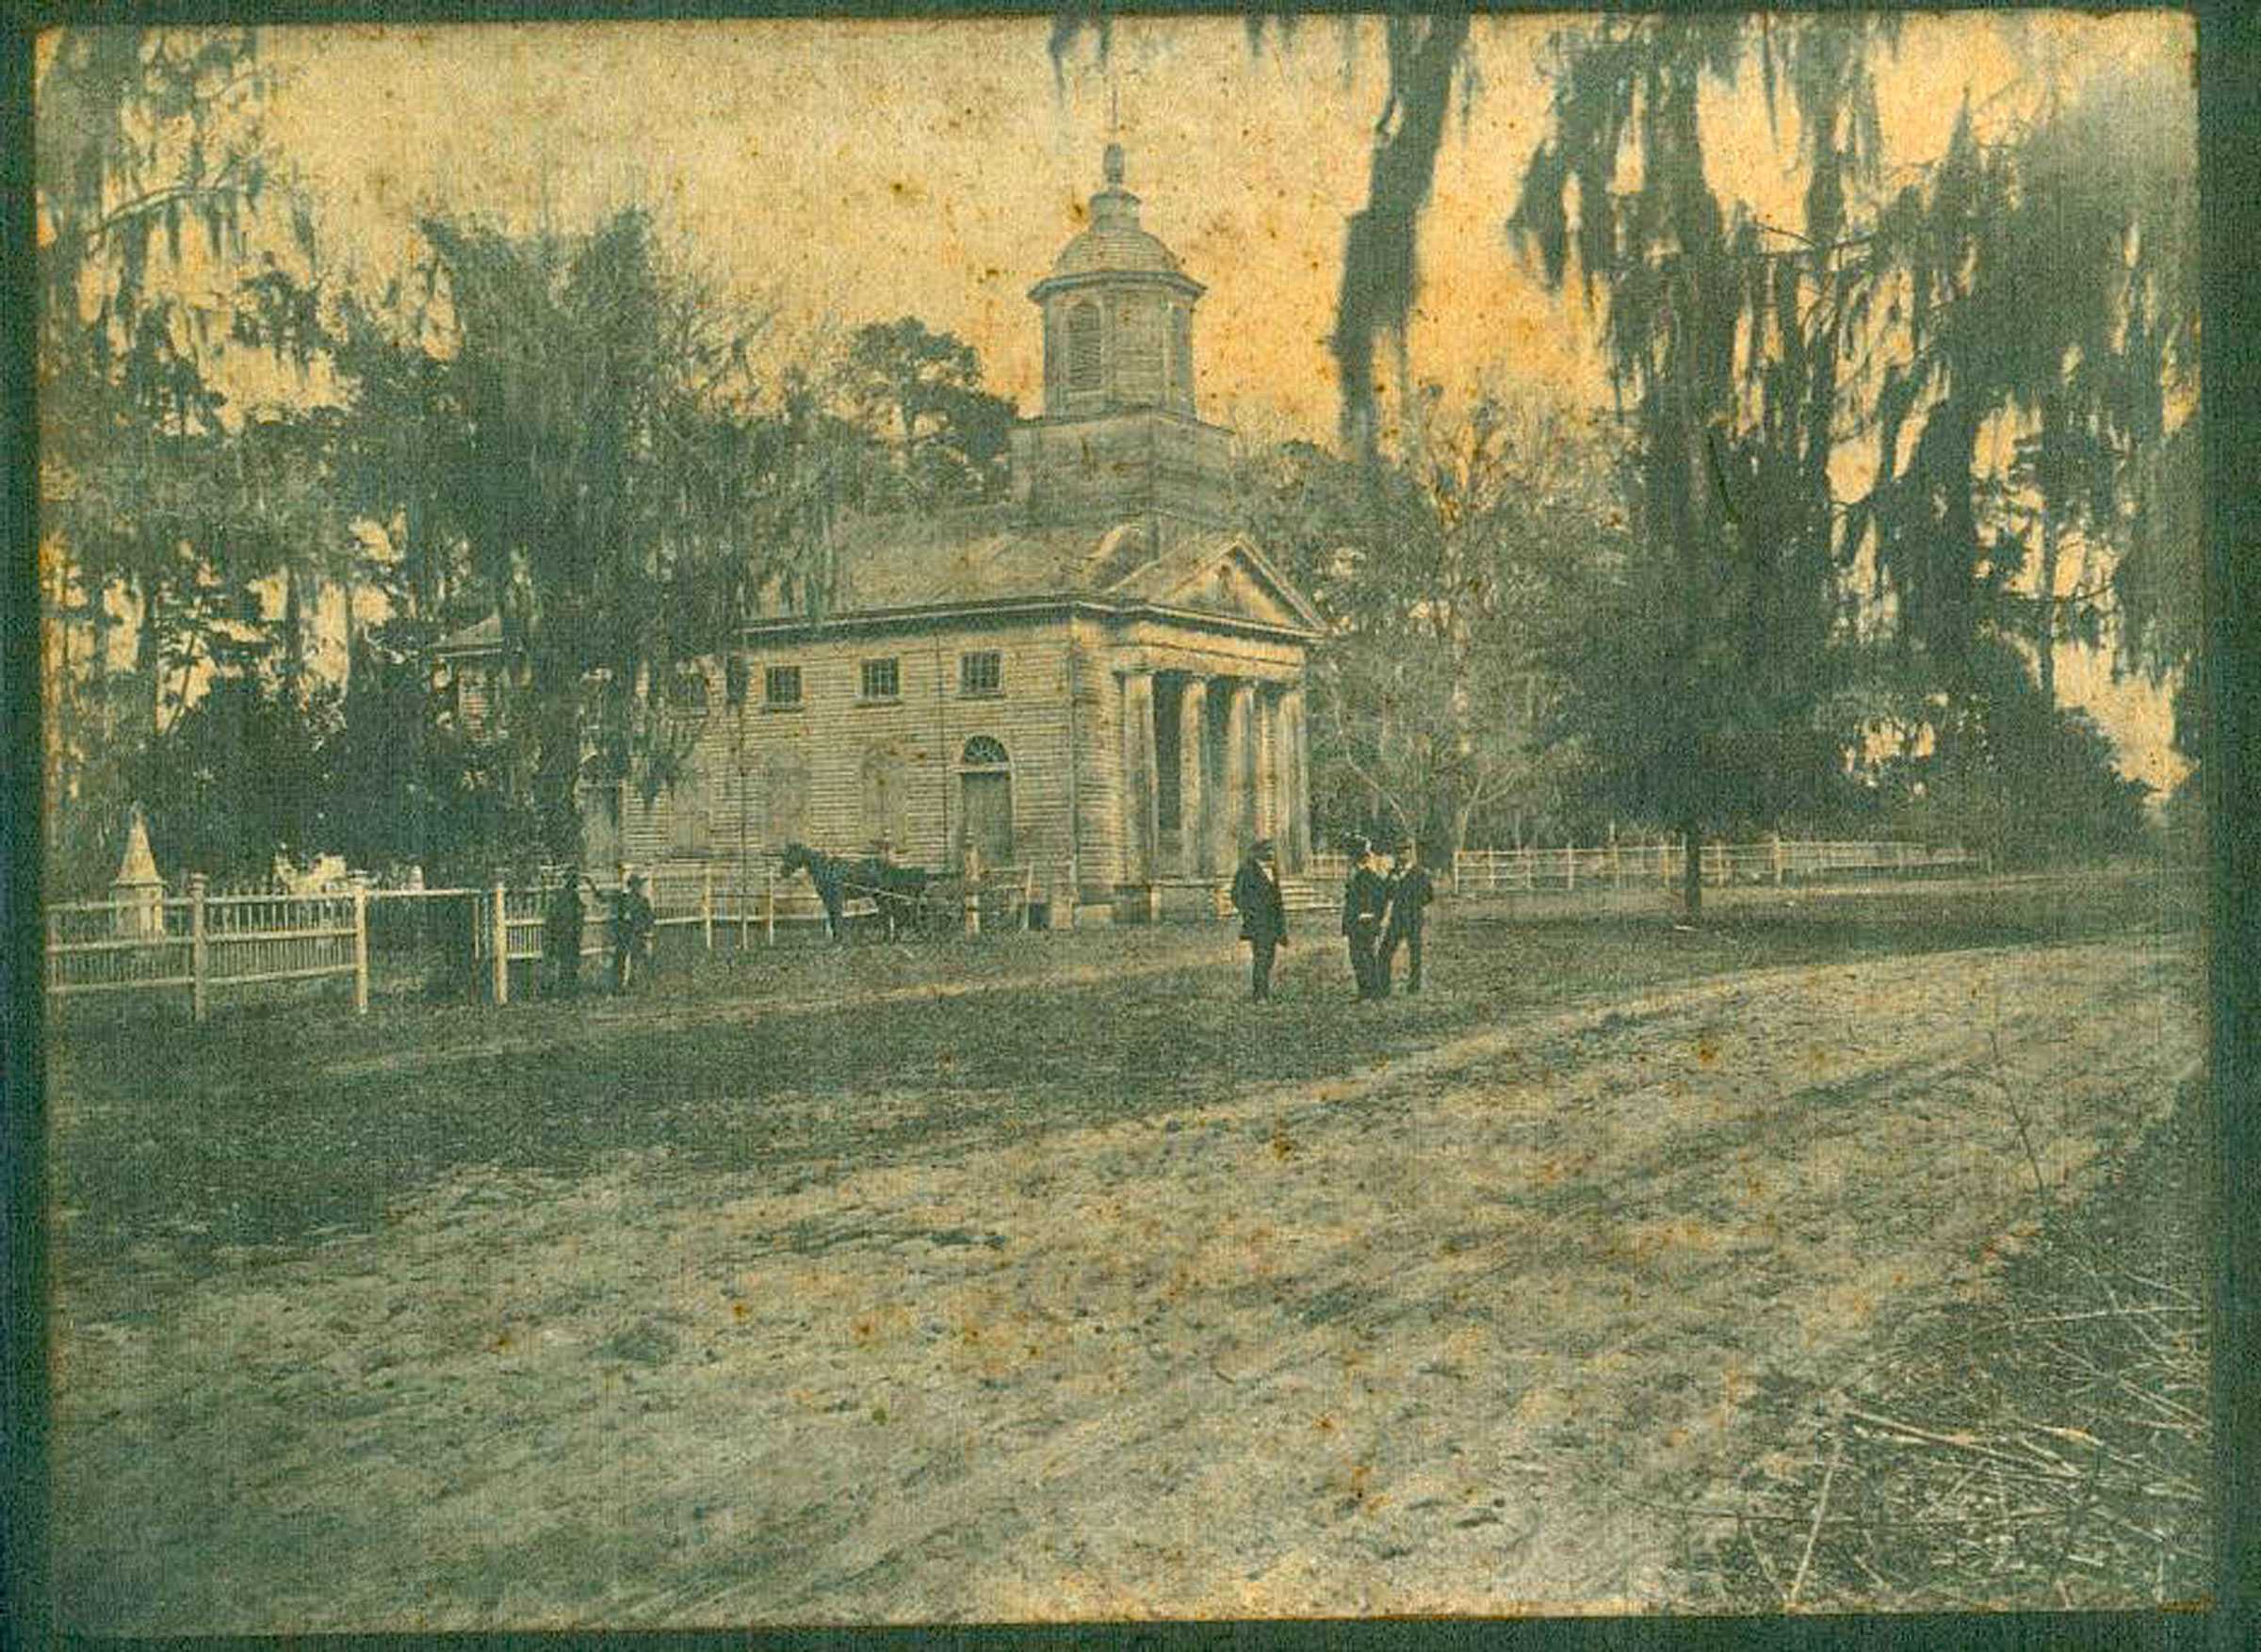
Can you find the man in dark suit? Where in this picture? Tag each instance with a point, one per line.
(565, 921)
(1264, 915)
(1364, 899)
(632, 925)
(1410, 892)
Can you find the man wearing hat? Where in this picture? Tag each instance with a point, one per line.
(1263, 914)
(1410, 893)
(1364, 895)
(632, 925)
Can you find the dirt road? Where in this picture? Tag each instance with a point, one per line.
(1454, 1335)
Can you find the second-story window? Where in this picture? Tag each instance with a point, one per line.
(982, 673)
(883, 679)
(781, 686)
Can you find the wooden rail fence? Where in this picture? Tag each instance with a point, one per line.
(1620, 865)
(508, 924)
(201, 942)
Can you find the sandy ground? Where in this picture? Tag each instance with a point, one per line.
(1455, 1334)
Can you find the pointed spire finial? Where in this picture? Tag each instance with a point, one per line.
(138, 868)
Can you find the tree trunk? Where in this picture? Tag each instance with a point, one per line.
(294, 634)
(1691, 872)
(352, 635)
(150, 657)
(1456, 839)
(2045, 629)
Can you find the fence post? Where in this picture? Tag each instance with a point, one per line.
(1777, 845)
(197, 948)
(706, 905)
(768, 906)
(360, 949)
(1569, 870)
(500, 943)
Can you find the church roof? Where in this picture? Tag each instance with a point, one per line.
(982, 554)
(993, 554)
(899, 566)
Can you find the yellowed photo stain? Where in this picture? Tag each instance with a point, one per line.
(912, 821)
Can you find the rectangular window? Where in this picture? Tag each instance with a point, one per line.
(980, 674)
(883, 680)
(781, 686)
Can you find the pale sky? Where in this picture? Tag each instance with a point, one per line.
(848, 171)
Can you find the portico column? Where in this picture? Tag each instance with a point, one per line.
(1296, 812)
(1193, 743)
(1240, 765)
(1267, 761)
(1140, 826)
(1222, 850)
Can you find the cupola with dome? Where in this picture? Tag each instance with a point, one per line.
(1119, 432)
(1118, 313)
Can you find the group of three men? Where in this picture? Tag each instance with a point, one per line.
(1382, 910)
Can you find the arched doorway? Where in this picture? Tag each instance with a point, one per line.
(985, 796)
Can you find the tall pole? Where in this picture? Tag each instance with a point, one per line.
(196, 945)
(498, 943)
(745, 870)
(1064, 909)
(360, 949)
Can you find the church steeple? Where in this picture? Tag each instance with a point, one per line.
(1119, 441)
(1118, 313)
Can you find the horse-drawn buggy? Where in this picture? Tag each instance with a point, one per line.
(910, 900)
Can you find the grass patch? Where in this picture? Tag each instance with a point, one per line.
(2048, 1442)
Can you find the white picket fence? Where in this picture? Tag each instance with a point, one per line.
(203, 943)
(509, 924)
(1624, 865)
(1620, 865)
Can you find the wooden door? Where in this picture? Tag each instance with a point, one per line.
(988, 814)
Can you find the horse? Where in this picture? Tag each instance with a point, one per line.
(893, 888)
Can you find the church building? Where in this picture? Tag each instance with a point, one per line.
(1096, 677)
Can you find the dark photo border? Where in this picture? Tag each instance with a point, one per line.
(2229, 72)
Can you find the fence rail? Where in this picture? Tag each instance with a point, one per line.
(685, 899)
(1500, 871)
(206, 943)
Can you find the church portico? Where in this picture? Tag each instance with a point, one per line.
(1210, 762)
